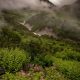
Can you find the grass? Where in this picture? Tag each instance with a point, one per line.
(71, 69)
(68, 54)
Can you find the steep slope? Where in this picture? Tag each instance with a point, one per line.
(60, 22)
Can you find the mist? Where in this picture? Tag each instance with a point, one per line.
(62, 2)
(33, 4)
(18, 4)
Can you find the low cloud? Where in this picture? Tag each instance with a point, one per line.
(16, 4)
(33, 4)
(62, 2)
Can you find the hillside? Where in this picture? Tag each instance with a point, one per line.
(40, 45)
(58, 23)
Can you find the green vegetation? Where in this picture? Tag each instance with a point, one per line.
(25, 56)
(13, 60)
(9, 38)
(32, 57)
(10, 76)
(69, 54)
(53, 74)
(71, 69)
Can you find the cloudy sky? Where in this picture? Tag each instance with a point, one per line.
(62, 2)
(15, 4)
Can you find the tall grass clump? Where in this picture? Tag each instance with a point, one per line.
(69, 54)
(70, 69)
(12, 60)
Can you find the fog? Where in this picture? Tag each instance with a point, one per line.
(62, 2)
(16, 4)
(34, 4)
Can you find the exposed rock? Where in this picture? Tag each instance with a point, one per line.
(46, 31)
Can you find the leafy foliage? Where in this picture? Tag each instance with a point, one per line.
(70, 69)
(9, 38)
(69, 54)
(44, 60)
(53, 74)
(13, 60)
(10, 76)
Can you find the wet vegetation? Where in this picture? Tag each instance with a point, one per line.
(26, 56)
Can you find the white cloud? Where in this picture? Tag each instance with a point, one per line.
(16, 4)
(34, 4)
(62, 2)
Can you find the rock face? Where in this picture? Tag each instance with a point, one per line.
(50, 3)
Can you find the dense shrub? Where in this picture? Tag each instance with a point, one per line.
(34, 48)
(70, 69)
(10, 76)
(44, 60)
(52, 74)
(69, 54)
(9, 38)
(13, 60)
(18, 76)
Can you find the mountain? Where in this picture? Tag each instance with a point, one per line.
(63, 21)
(74, 9)
(40, 44)
(57, 23)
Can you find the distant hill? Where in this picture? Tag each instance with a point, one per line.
(60, 23)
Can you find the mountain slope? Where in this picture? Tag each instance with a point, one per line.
(60, 22)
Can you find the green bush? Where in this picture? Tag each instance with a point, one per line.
(44, 60)
(37, 76)
(13, 60)
(70, 69)
(69, 54)
(9, 38)
(10, 76)
(52, 74)
(34, 47)
(18, 76)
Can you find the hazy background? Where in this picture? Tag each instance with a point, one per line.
(34, 4)
(62, 2)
